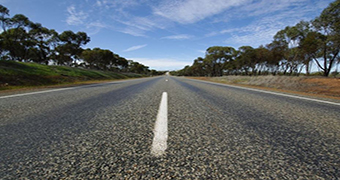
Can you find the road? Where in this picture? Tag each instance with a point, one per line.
(106, 131)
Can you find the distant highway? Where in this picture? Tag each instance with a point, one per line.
(205, 131)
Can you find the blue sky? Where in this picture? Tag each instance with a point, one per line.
(168, 34)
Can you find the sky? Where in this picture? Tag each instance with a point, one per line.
(169, 34)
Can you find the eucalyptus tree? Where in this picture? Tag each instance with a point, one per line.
(136, 67)
(122, 63)
(103, 59)
(4, 13)
(327, 26)
(246, 59)
(287, 40)
(304, 28)
(70, 45)
(15, 39)
(198, 67)
(218, 59)
(16, 42)
(44, 41)
(261, 58)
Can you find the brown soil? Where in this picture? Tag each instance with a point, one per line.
(325, 86)
(311, 86)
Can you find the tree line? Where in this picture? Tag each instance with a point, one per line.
(292, 50)
(25, 41)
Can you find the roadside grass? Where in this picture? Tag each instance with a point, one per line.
(314, 85)
(17, 75)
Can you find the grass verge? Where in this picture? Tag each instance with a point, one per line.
(18, 75)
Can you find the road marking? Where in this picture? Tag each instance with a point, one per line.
(270, 92)
(38, 92)
(159, 143)
(166, 80)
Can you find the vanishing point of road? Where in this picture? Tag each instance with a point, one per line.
(167, 128)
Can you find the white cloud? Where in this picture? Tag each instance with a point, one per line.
(163, 64)
(260, 32)
(133, 48)
(201, 51)
(178, 37)
(269, 6)
(191, 11)
(133, 32)
(96, 24)
(75, 17)
(99, 3)
(270, 17)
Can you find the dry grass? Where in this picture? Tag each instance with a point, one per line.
(319, 86)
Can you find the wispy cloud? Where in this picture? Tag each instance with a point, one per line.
(133, 48)
(268, 6)
(132, 32)
(96, 25)
(201, 51)
(270, 18)
(85, 18)
(139, 26)
(191, 11)
(178, 37)
(141, 17)
(75, 17)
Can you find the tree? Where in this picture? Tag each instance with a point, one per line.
(286, 42)
(69, 48)
(103, 59)
(198, 67)
(16, 40)
(122, 62)
(304, 28)
(44, 41)
(245, 59)
(136, 67)
(4, 12)
(19, 21)
(218, 59)
(327, 26)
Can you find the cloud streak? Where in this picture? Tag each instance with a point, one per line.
(75, 17)
(134, 48)
(178, 37)
(191, 11)
(231, 22)
(270, 18)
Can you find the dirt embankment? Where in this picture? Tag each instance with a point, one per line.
(318, 86)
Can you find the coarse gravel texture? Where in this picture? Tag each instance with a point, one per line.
(215, 132)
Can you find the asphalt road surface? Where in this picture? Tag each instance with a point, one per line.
(106, 131)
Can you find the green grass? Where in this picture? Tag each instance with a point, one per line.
(15, 75)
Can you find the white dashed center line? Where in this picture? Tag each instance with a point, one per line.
(159, 143)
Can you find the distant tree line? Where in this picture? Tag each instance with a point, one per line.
(26, 41)
(292, 50)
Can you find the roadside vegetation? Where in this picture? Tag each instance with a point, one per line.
(291, 52)
(31, 54)
(14, 75)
